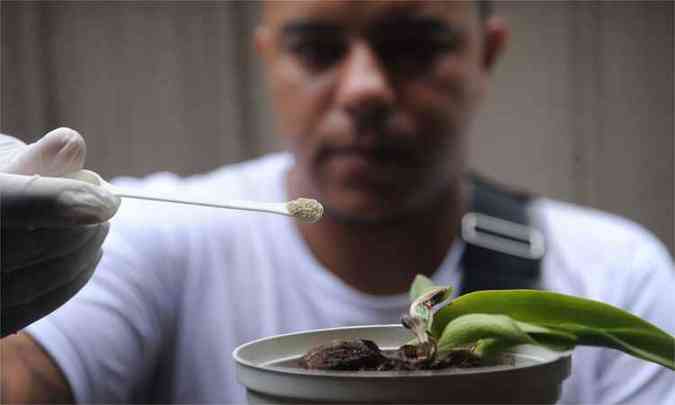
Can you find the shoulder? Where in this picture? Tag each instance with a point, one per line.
(237, 179)
(156, 229)
(257, 179)
(163, 250)
(576, 226)
(591, 252)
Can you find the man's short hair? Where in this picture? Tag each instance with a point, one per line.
(485, 9)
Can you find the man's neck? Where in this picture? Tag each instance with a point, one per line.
(384, 258)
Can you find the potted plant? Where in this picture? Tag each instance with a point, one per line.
(510, 346)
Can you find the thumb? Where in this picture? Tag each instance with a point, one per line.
(59, 152)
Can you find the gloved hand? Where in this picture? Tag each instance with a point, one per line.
(52, 228)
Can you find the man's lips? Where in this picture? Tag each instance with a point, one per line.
(378, 155)
(359, 159)
(357, 165)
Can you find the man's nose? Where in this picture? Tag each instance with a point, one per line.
(364, 88)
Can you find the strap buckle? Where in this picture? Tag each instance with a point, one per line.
(503, 236)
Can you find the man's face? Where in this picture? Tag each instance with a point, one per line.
(374, 99)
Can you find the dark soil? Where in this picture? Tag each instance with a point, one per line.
(365, 355)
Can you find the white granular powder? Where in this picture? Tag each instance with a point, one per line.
(305, 209)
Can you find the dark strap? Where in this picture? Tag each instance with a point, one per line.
(491, 268)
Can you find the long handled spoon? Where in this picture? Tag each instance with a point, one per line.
(304, 209)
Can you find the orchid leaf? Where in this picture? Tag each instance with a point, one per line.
(468, 329)
(554, 339)
(420, 285)
(566, 320)
(490, 348)
(492, 333)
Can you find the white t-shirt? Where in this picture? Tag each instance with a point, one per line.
(178, 288)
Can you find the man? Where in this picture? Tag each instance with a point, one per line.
(374, 99)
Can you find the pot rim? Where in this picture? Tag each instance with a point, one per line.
(236, 354)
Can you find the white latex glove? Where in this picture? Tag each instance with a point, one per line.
(52, 228)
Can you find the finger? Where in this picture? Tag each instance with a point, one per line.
(33, 201)
(18, 317)
(22, 286)
(22, 248)
(59, 152)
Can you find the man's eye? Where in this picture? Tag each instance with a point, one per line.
(318, 54)
(410, 53)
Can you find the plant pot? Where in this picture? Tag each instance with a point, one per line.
(535, 375)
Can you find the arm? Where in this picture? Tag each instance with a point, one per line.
(109, 338)
(29, 375)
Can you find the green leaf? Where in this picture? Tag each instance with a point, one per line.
(426, 298)
(551, 338)
(495, 333)
(420, 285)
(490, 348)
(590, 322)
(468, 329)
(658, 348)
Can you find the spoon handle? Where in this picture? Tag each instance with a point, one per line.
(275, 208)
(93, 178)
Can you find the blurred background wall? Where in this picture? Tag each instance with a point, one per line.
(581, 109)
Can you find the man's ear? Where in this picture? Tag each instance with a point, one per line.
(496, 37)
